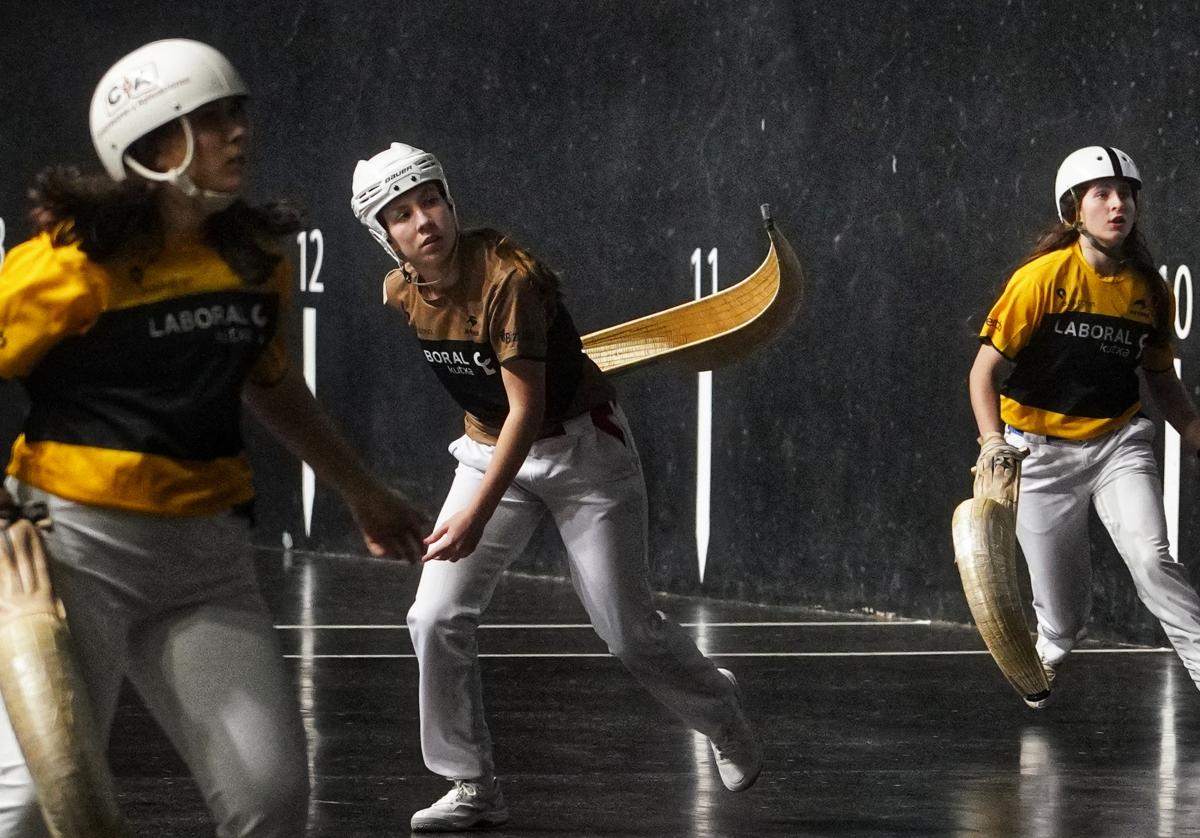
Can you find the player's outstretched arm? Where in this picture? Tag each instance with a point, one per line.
(390, 525)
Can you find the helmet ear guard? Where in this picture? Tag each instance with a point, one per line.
(1087, 164)
(385, 177)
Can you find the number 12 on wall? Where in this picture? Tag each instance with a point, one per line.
(310, 283)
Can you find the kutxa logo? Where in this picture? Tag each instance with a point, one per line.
(137, 83)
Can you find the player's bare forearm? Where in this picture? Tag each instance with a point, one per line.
(1172, 399)
(458, 535)
(983, 384)
(291, 414)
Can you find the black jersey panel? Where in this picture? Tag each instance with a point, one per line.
(162, 378)
(470, 371)
(1080, 364)
(565, 364)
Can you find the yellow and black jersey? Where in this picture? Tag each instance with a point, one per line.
(1076, 339)
(134, 371)
(497, 311)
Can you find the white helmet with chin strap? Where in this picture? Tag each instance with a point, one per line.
(148, 88)
(1092, 163)
(386, 176)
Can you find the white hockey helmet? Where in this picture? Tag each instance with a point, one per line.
(149, 87)
(1092, 163)
(388, 175)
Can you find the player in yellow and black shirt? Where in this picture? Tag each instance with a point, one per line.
(544, 437)
(139, 319)
(1064, 348)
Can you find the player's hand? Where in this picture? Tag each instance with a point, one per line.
(391, 526)
(24, 574)
(455, 538)
(998, 469)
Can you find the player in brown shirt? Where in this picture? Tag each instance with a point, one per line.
(544, 435)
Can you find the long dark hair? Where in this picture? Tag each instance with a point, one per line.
(109, 219)
(1135, 256)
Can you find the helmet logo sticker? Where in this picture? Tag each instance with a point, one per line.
(133, 86)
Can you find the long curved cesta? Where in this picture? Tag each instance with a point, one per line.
(713, 331)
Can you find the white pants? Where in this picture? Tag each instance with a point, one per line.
(1119, 474)
(591, 485)
(173, 604)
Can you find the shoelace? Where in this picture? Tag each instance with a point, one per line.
(462, 790)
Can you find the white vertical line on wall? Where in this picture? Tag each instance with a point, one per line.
(308, 482)
(1171, 447)
(704, 393)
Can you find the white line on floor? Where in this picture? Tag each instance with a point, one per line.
(765, 624)
(912, 654)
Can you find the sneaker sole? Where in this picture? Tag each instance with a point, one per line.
(1038, 701)
(488, 821)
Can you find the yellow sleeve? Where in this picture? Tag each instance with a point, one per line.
(1016, 314)
(273, 363)
(47, 293)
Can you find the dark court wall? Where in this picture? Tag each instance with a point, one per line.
(908, 151)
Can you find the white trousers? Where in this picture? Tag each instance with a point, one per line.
(173, 604)
(1118, 473)
(591, 485)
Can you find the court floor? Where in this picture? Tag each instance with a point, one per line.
(872, 727)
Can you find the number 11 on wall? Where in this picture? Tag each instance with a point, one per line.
(703, 428)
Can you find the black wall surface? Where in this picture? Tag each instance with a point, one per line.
(908, 150)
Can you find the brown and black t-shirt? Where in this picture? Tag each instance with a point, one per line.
(505, 305)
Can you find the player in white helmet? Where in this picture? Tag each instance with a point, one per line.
(544, 436)
(1080, 322)
(140, 318)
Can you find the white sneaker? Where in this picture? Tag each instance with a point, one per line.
(738, 752)
(465, 806)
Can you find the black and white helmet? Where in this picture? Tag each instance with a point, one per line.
(1092, 163)
(386, 176)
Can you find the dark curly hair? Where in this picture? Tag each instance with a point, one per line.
(108, 219)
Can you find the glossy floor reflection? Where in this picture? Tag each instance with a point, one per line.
(872, 728)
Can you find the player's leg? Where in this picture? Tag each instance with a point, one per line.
(1052, 530)
(450, 601)
(602, 517)
(210, 669)
(1129, 501)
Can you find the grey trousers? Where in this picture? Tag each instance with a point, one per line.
(172, 604)
(1118, 473)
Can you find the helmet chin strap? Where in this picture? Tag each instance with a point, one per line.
(212, 202)
(1111, 253)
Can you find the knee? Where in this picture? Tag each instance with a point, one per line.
(439, 622)
(1155, 573)
(634, 638)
